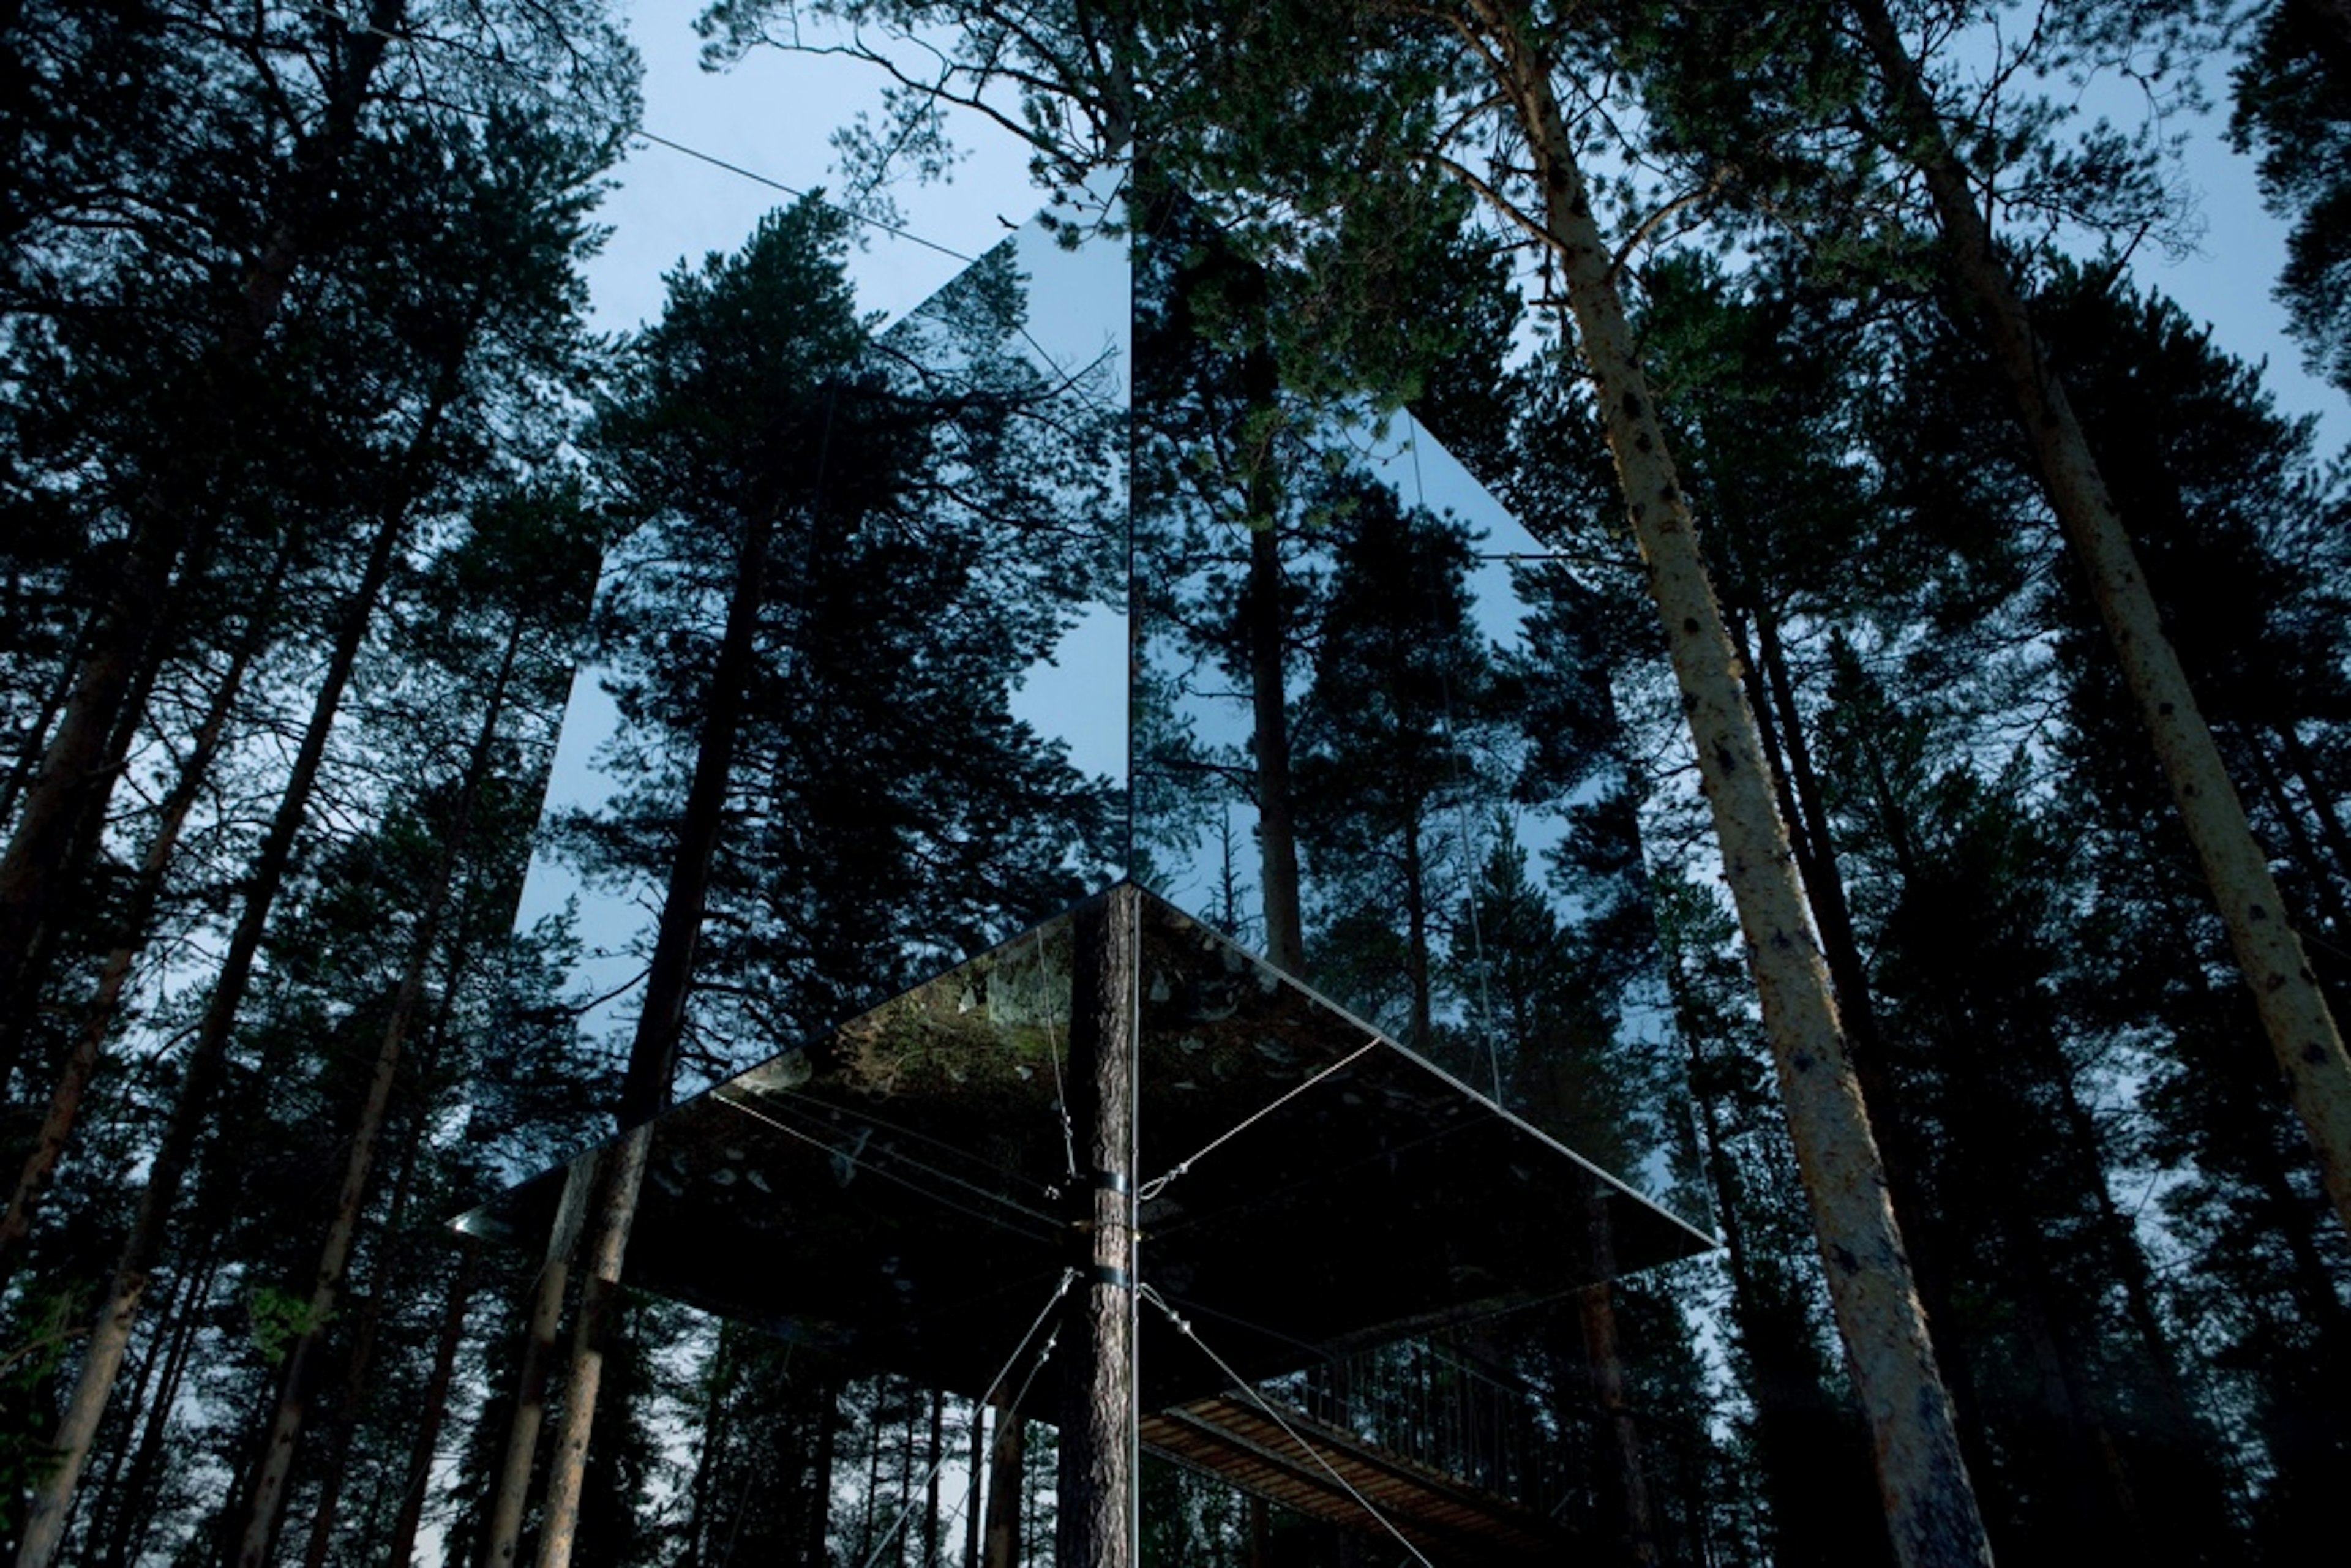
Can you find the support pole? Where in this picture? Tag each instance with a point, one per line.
(1096, 1528)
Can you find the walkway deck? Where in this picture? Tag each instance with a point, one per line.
(1453, 1524)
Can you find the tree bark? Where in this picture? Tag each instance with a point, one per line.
(623, 1167)
(1277, 816)
(1930, 1510)
(502, 1540)
(134, 1499)
(1604, 1363)
(1095, 1523)
(1008, 1485)
(934, 1456)
(977, 1486)
(2303, 1033)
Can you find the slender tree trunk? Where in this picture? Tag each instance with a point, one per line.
(819, 1521)
(1416, 951)
(2322, 804)
(154, 871)
(2324, 893)
(76, 773)
(1930, 1510)
(37, 735)
(623, 1166)
(131, 1501)
(258, 1532)
(652, 1050)
(933, 1456)
(1265, 616)
(872, 1468)
(2302, 1032)
(1788, 753)
(433, 1410)
(977, 1486)
(1008, 1484)
(1604, 1362)
(502, 1537)
(708, 1447)
(358, 1362)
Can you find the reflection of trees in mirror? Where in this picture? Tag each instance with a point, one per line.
(1397, 740)
(902, 538)
(1328, 670)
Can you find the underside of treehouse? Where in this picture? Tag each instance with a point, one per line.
(902, 1192)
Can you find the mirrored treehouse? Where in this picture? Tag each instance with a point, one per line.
(1176, 942)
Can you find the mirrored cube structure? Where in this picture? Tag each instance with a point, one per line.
(1074, 594)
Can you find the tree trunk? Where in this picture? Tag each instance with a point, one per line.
(358, 1364)
(433, 1409)
(258, 1532)
(623, 1166)
(935, 1458)
(1008, 1485)
(819, 1521)
(1267, 630)
(502, 1537)
(2325, 895)
(708, 1447)
(2322, 802)
(1415, 950)
(652, 1048)
(207, 1061)
(1095, 1523)
(2302, 1032)
(977, 1488)
(1604, 1362)
(1930, 1510)
(36, 734)
(134, 1499)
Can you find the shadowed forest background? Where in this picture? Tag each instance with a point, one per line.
(320, 495)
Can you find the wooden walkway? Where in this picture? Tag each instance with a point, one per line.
(1455, 1525)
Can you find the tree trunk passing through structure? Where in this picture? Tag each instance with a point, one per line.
(1096, 1520)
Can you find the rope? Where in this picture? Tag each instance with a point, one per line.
(1159, 1184)
(1185, 1328)
(1060, 1089)
(996, 1383)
